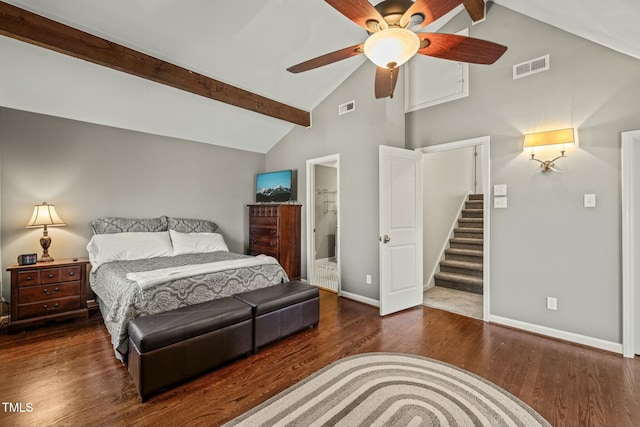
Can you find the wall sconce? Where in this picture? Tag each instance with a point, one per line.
(45, 215)
(542, 139)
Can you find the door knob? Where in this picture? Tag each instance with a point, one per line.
(384, 239)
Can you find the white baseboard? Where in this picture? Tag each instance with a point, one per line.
(556, 333)
(360, 298)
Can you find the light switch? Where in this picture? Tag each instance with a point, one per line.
(589, 200)
(500, 202)
(500, 190)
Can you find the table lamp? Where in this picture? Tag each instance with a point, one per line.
(45, 215)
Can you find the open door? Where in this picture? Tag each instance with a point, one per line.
(401, 284)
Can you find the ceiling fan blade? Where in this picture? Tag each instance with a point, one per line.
(461, 48)
(386, 80)
(475, 9)
(326, 59)
(360, 12)
(431, 9)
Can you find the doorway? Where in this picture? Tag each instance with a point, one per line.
(457, 226)
(323, 232)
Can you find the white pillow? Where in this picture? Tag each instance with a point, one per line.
(127, 246)
(194, 243)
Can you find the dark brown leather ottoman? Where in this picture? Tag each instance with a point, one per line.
(281, 310)
(168, 348)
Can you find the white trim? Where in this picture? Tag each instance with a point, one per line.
(445, 245)
(311, 213)
(556, 333)
(360, 298)
(629, 346)
(485, 142)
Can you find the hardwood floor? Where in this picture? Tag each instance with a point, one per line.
(69, 375)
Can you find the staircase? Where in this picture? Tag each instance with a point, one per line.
(461, 267)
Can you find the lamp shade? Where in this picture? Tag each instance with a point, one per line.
(392, 47)
(44, 215)
(552, 137)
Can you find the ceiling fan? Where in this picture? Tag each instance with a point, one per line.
(393, 40)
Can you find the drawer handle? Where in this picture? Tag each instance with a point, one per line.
(48, 292)
(272, 244)
(253, 241)
(55, 307)
(51, 276)
(72, 273)
(273, 231)
(29, 278)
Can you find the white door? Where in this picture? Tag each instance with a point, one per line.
(400, 229)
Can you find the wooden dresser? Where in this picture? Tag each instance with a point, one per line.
(274, 230)
(48, 291)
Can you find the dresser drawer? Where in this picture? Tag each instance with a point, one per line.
(263, 232)
(37, 293)
(265, 210)
(28, 278)
(45, 308)
(264, 220)
(70, 274)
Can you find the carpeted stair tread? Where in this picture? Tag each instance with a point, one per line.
(460, 282)
(468, 252)
(462, 264)
(467, 240)
(476, 196)
(472, 213)
(468, 230)
(454, 277)
(471, 223)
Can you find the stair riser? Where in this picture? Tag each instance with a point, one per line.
(466, 213)
(468, 258)
(467, 234)
(476, 196)
(468, 224)
(474, 204)
(464, 271)
(467, 287)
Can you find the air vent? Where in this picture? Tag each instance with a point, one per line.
(532, 66)
(347, 107)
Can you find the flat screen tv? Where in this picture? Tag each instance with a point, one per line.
(276, 187)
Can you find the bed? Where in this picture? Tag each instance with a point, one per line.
(149, 266)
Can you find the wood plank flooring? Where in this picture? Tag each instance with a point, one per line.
(68, 372)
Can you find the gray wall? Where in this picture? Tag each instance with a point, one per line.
(546, 243)
(90, 171)
(325, 212)
(448, 178)
(356, 136)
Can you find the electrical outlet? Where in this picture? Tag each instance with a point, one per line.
(552, 303)
(368, 279)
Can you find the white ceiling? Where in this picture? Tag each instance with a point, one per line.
(248, 44)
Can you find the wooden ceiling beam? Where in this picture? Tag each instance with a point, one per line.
(31, 28)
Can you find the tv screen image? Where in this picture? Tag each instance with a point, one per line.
(274, 186)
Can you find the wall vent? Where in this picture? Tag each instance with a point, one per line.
(347, 107)
(532, 66)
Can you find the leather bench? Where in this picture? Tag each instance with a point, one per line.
(281, 310)
(168, 348)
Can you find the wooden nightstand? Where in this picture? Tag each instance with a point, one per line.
(46, 291)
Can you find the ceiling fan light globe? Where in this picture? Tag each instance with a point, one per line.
(392, 47)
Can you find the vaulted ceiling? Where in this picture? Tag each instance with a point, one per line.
(246, 44)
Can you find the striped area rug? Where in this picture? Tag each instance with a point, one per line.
(391, 389)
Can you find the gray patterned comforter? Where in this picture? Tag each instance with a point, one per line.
(122, 299)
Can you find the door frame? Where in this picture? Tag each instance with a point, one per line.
(485, 142)
(311, 207)
(630, 144)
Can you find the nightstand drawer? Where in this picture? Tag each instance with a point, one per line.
(46, 308)
(69, 274)
(50, 275)
(47, 292)
(28, 278)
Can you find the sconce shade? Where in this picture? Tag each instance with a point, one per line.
(44, 215)
(552, 137)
